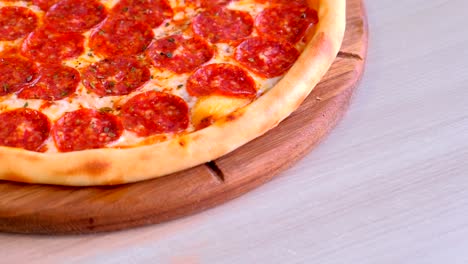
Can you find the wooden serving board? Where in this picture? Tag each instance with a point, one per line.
(46, 209)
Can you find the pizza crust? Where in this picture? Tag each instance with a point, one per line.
(117, 166)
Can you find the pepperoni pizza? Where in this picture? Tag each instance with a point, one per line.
(115, 91)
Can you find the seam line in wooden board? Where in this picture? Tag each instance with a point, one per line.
(215, 170)
(349, 55)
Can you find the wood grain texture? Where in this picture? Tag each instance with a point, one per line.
(54, 209)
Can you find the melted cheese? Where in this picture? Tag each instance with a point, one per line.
(211, 108)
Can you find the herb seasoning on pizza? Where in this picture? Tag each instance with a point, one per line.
(115, 91)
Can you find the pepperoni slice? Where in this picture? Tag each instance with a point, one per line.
(208, 3)
(266, 57)
(44, 4)
(121, 37)
(14, 72)
(24, 128)
(154, 112)
(290, 22)
(180, 55)
(54, 82)
(16, 22)
(223, 25)
(150, 12)
(283, 2)
(116, 76)
(44, 46)
(222, 79)
(86, 129)
(74, 16)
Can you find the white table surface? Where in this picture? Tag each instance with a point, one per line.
(389, 185)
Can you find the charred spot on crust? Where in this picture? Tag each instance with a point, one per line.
(32, 158)
(182, 142)
(153, 140)
(233, 116)
(16, 177)
(205, 122)
(93, 168)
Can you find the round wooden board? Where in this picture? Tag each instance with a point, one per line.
(60, 210)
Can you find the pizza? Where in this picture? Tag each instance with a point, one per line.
(117, 91)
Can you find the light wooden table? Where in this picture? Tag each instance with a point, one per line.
(389, 185)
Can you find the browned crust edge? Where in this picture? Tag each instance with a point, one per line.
(117, 166)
